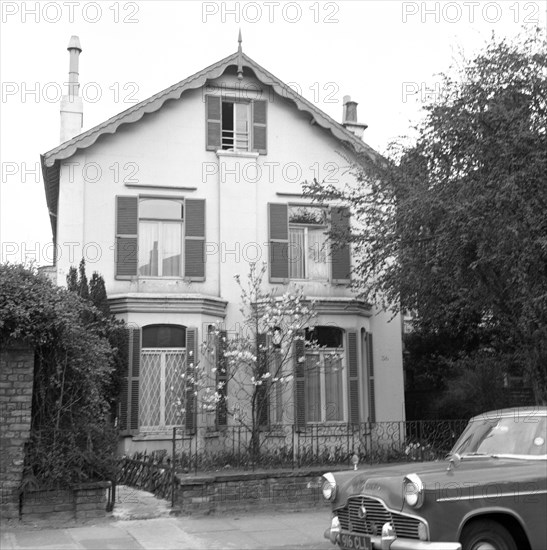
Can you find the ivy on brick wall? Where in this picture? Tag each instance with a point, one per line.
(72, 437)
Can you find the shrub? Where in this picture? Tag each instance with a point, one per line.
(72, 439)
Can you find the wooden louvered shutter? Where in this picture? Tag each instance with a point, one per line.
(194, 239)
(127, 220)
(262, 404)
(370, 376)
(340, 255)
(300, 382)
(260, 110)
(278, 222)
(191, 372)
(353, 378)
(221, 379)
(129, 399)
(123, 400)
(213, 106)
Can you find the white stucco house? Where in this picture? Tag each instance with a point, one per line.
(174, 196)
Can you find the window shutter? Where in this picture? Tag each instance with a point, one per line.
(370, 376)
(340, 253)
(221, 378)
(278, 221)
(129, 398)
(259, 126)
(127, 220)
(123, 400)
(353, 378)
(262, 390)
(299, 383)
(194, 239)
(191, 364)
(213, 106)
(135, 342)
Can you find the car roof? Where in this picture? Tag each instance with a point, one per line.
(517, 412)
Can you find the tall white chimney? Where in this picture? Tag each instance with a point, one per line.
(72, 108)
(349, 117)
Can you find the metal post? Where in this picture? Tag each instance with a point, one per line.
(347, 443)
(196, 455)
(173, 458)
(292, 446)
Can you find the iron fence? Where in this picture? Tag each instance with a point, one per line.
(284, 446)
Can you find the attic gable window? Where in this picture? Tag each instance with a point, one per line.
(235, 125)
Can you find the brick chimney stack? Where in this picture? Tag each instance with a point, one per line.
(349, 117)
(72, 109)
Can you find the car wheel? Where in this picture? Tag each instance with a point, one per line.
(487, 534)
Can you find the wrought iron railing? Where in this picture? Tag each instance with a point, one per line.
(284, 446)
(238, 141)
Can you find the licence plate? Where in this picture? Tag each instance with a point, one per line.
(353, 541)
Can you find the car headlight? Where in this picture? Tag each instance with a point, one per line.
(413, 490)
(329, 486)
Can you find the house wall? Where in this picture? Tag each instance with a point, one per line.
(164, 154)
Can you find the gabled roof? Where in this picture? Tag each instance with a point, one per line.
(51, 159)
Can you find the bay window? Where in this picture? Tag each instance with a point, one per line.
(325, 392)
(163, 373)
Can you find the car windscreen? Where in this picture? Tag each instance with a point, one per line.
(509, 435)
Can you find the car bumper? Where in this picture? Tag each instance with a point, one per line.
(389, 541)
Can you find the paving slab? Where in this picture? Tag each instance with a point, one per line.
(126, 529)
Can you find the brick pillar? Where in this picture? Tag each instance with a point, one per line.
(16, 381)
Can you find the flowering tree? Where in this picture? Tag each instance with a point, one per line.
(255, 362)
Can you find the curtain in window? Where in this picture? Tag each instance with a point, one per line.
(333, 388)
(171, 250)
(313, 388)
(160, 249)
(148, 248)
(317, 254)
(297, 251)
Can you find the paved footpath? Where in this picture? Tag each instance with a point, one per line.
(127, 530)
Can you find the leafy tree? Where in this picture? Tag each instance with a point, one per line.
(97, 294)
(72, 279)
(113, 329)
(453, 226)
(72, 439)
(83, 287)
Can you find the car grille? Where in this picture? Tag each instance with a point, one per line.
(376, 515)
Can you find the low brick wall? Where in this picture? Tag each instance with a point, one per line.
(274, 490)
(81, 502)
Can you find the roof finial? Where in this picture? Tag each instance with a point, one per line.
(239, 56)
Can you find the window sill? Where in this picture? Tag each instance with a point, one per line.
(238, 154)
(326, 424)
(321, 281)
(160, 278)
(159, 435)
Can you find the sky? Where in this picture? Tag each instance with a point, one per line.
(387, 55)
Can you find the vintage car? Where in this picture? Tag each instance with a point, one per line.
(490, 493)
